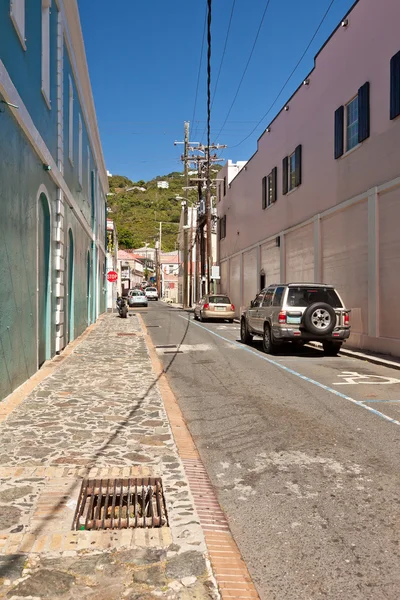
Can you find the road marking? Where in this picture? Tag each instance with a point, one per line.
(292, 372)
(354, 378)
(387, 401)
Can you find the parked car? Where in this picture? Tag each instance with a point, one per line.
(151, 293)
(297, 312)
(215, 306)
(137, 298)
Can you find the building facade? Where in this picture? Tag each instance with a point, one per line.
(53, 186)
(320, 199)
(111, 263)
(131, 268)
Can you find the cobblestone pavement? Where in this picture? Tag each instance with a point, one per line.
(99, 415)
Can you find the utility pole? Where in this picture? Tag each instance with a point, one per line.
(185, 219)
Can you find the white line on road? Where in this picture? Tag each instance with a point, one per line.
(292, 372)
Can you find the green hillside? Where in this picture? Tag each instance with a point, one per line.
(137, 213)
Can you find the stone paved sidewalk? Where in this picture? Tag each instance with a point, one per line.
(99, 415)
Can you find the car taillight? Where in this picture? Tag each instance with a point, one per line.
(232, 307)
(346, 318)
(206, 306)
(282, 317)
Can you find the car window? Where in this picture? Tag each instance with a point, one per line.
(268, 298)
(277, 301)
(258, 301)
(219, 300)
(149, 289)
(304, 296)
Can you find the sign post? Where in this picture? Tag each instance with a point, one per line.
(112, 277)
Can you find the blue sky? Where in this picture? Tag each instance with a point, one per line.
(144, 61)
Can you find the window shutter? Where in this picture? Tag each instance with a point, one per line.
(264, 192)
(273, 183)
(285, 174)
(363, 112)
(297, 153)
(339, 131)
(395, 86)
(224, 226)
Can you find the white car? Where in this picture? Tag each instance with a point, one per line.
(151, 293)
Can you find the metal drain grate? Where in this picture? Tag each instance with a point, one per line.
(120, 504)
(167, 346)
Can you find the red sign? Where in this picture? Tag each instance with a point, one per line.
(112, 276)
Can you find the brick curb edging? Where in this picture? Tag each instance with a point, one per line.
(230, 570)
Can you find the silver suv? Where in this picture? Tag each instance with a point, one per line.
(297, 312)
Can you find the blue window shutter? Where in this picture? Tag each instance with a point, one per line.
(339, 131)
(363, 112)
(264, 192)
(285, 175)
(395, 86)
(297, 154)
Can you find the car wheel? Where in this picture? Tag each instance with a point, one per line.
(319, 318)
(230, 320)
(195, 316)
(245, 336)
(268, 345)
(201, 318)
(331, 348)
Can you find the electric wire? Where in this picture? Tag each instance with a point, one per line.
(199, 72)
(290, 76)
(221, 63)
(245, 69)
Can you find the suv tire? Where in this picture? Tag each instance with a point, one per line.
(319, 319)
(268, 345)
(245, 336)
(331, 348)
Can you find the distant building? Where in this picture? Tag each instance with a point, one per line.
(163, 184)
(53, 185)
(109, 174)
(131, 268)
(169, 270)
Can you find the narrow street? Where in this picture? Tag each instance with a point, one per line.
(303, 451)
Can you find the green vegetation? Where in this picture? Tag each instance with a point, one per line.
(137, 213)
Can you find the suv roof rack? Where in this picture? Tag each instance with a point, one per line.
(310, 283)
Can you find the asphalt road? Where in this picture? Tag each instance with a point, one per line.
(303, 451)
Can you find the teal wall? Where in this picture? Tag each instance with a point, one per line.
(25, 67)
(21, 175)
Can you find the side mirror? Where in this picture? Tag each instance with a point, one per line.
(252, 303)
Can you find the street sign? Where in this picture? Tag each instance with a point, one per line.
(215, 272)
(112, 276)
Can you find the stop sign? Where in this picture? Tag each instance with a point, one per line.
(112, 276)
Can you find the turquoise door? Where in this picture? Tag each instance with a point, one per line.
(88, 286)
(69, 331)
(43, 281)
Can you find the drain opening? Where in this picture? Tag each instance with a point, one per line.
(120, 504)
(148, 326)
(173, 352)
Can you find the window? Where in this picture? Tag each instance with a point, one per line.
(291, 171)
(258, 301)
(71, 122)
(268, 298)
(80, 150)
(46, 50)
(277, 301)
(17, 14)
(222, 227)
(395, 86)
(352, 122)
(269, 189)
(224, 186)
(88, 173)
(219, 300)
(303, 296)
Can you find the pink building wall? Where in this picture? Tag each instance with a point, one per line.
(341, 225)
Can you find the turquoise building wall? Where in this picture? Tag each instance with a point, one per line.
(40, 311)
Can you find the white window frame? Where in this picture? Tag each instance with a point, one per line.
(17, 14)
(46, 5)
(80, 161)
(71, 122)
(291, 172)
(88, 174)
(346, 126)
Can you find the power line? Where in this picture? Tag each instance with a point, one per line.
(290, 76)
(200, 63)
(222, 60)
(246, 67)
